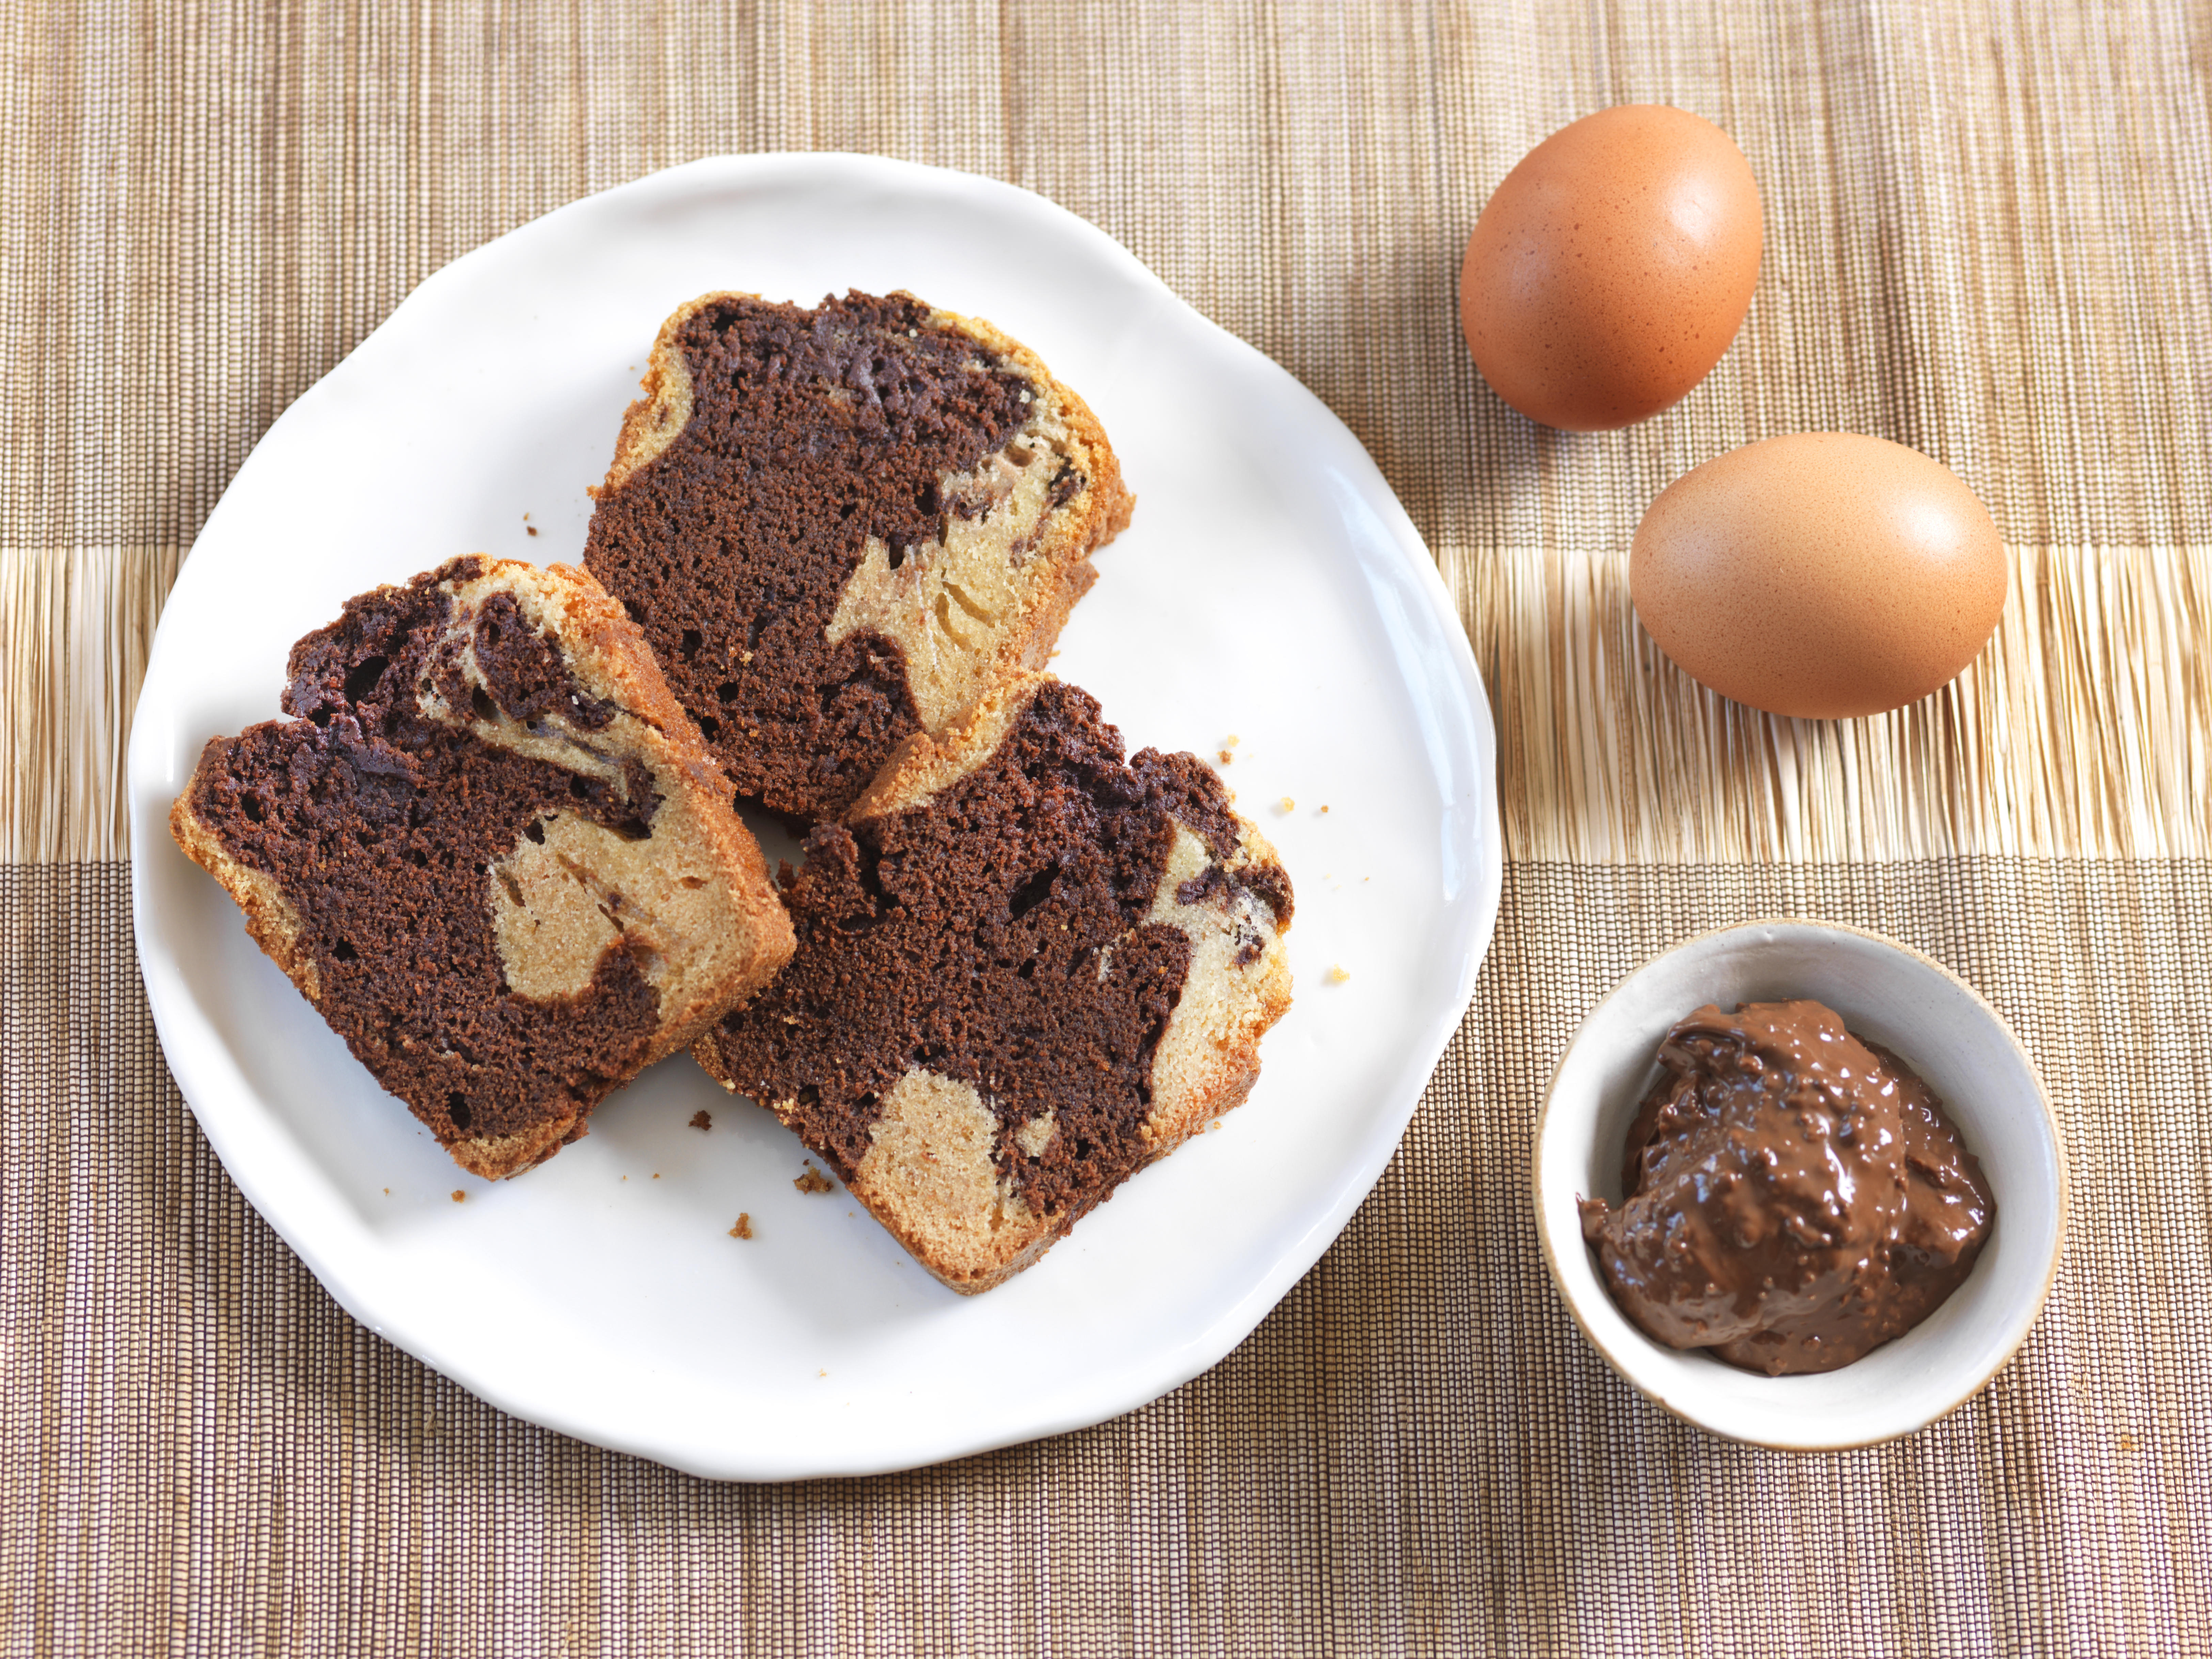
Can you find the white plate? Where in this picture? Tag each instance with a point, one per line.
(1271, 587)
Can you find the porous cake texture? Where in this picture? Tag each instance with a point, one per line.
(492, 852)
(842, 526)
(1026, 969)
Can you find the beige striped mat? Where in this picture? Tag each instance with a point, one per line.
(1989, 235)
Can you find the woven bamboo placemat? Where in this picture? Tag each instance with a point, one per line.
(1989, 235)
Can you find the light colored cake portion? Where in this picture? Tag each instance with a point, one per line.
(692, 902)
(931, 1179)
(1209, 1055)
(985, 599)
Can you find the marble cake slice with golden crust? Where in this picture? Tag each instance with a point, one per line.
(842, 526)
(492, 851)
(1026, 969)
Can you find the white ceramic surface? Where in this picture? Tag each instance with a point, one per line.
(1942, 1027)
(1271, 587)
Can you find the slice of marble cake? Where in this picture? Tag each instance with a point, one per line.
(1026, 969)
(492, 851)
(840, 527)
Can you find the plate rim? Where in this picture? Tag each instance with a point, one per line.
(1228, 1327)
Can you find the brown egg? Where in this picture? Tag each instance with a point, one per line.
(1612, 267)
(1823, 575)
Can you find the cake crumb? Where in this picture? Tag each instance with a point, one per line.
(1224, 756)
(1288, 804)
(1324, 809)
(815, 1181)
(531, 528)
(459, 1195)
(388, 1192)
(1340, 973)
(656, 1175)
(1230, 740)
(701, 1120)
(744, 1227)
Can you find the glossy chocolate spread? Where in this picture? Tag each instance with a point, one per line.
(1796, 1197)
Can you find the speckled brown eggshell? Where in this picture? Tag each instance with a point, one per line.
(1823, 575)
(1611, 269)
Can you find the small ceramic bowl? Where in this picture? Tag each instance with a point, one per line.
(1942, 1027)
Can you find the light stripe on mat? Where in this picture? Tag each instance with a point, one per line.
(76, 624)
(2085, 726)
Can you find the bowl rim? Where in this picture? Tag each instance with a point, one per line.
(1550, 1245)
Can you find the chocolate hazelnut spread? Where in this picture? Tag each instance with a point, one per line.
(1796, 1197)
